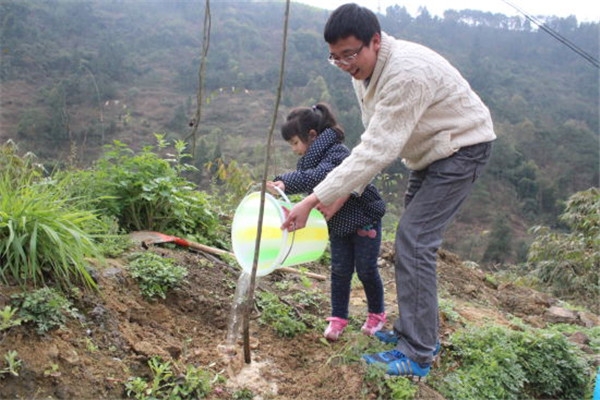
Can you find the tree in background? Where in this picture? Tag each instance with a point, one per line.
(568, 261)
(500, 244)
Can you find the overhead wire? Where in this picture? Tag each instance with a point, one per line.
(591, 59)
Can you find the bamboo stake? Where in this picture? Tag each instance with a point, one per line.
(250, 296)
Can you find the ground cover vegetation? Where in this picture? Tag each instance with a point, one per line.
(153, 320)
(95, 115)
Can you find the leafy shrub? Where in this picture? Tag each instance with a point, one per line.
(498, 363)
(155, 274)
(46, 308)
(44, 233)
(145, 191)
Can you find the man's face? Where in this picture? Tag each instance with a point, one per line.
(354, 56)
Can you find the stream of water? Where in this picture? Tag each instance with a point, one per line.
(236, 315)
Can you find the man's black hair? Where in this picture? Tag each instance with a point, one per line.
(351, 20)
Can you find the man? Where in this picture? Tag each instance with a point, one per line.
(416, 106)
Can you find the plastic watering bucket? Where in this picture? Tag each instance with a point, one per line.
(278, 248)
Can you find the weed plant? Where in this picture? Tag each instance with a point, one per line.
(279, 316)
(46, 308)
(13, 364)
(165, 383)
(8, 318)
(155, 275)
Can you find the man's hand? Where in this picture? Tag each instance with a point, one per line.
(330, 210)
(298, 215)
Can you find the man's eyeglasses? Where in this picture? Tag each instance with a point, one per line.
(345, 61)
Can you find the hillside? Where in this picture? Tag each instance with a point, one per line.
(75, 76)
(117, 332)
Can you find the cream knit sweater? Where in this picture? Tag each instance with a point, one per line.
(416, 106)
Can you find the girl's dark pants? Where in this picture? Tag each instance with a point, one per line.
(354, 252)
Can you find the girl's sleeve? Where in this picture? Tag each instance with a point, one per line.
(304, 181)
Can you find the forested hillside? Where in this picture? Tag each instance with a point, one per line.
(76, 75)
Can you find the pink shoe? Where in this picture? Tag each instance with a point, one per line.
(335, 328)
(374, 323)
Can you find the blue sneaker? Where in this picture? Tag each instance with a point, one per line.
(384, 357)
(390, 337)
(398, 364)
(387, 337)
(407, 367)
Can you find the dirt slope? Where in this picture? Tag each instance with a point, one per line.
(119, 331)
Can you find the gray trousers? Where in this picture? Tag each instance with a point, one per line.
(433, 197)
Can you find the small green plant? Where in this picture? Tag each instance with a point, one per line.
(155, 274)
(374, 380)
(447, 310)
(53, 370)
(306, 282)
(387, 387)
(46, 308)
(13, 364)
(244, 394)
(499, 363)
(195, 383)
(114, 243)
(279, 316)
(401, 388)
(90, 345)
(7, 318)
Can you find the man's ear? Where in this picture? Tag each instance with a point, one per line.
(376, 41)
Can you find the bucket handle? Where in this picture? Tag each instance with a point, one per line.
(283, 195)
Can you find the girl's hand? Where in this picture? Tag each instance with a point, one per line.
(272, 184)
(330, 210)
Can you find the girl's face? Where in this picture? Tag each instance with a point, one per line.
(298, 146)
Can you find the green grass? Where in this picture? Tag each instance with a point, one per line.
(44, 233)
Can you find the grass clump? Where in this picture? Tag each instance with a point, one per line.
(45, 234)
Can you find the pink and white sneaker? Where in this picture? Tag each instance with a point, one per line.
(374, 323)
(335, 328)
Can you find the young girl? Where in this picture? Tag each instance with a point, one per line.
(354, 231)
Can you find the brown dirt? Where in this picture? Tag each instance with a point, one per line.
(119, 331)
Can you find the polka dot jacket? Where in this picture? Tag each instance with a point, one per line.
(323, 155)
